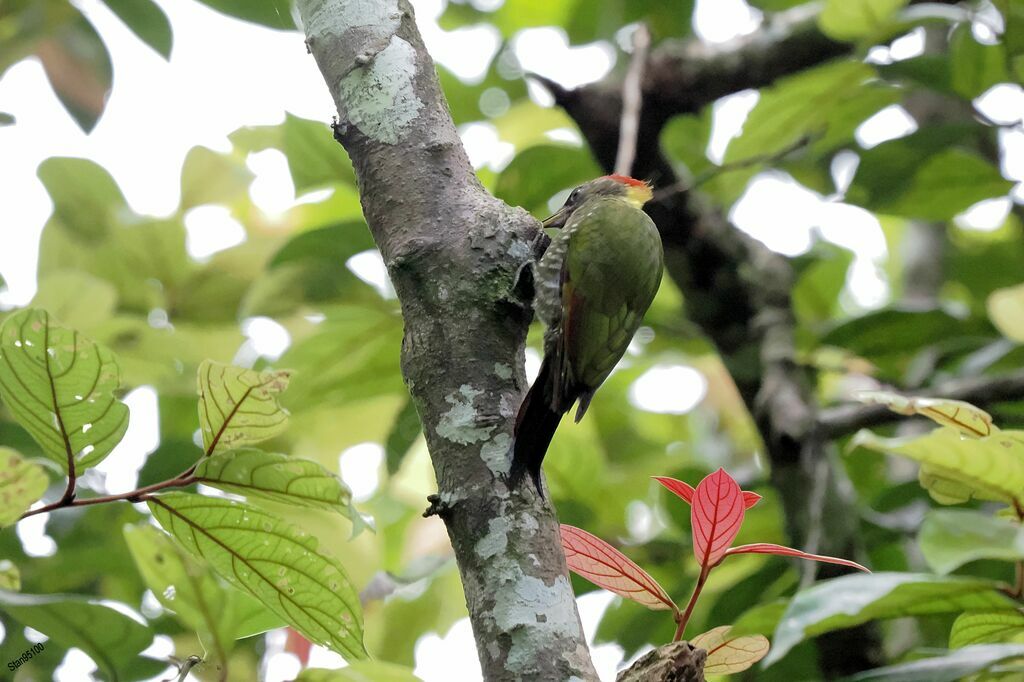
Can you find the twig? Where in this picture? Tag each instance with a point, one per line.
(682, 620)
(840, 421)
(632, 100)
(687, 184)
(139, 494)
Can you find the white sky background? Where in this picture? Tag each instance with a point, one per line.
(224, 74)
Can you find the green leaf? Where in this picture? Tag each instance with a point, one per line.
(86, 200)
(931, 71)
(369, 339)
(512, 16)
(147, 21)
(600, 19)
(817, 289)
(886, 171)
(404, 433)
(276, 477)
(950, 538)
(60, 387)
(975, 67)
(111, 639)
(966, 418)
(847, 115)
(1006, 310)
(78, 299)
(987, 627)
(275, 562)
(77, 65)
(855, 599)
(184, 586)
(208, 177)
(850, 20)
(990, 468)
(310, 269)
(953, 666)
(360, 671)
(761, 619)
(144, 259)
(272, 13)
(1013, 36)
(946, 184)
(239, 406)
(892, 330)
(188, 588)
(797, 106)
(314, 157)
(775, 5)
(538, 173)
(6, 119)
(21, 483)
(10, 578)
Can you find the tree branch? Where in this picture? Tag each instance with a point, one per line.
(683, 76)
(632, 101)
(459, 260)
(843, 420)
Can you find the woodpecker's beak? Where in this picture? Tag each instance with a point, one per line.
(557, 219)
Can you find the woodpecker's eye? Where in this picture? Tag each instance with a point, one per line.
(573, 196)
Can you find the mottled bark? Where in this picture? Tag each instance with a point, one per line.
(459, 260)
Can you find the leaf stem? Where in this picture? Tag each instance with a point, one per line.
(139, 494)
(685, 618)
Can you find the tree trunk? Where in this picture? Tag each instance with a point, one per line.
(460, 263)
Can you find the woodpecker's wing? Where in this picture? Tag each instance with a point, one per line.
(612, 269)
(548, 297)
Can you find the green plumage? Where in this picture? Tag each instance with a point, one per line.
(594, 284)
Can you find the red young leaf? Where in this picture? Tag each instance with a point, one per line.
(680, 488)
(592, 558)
(298, 645)
(685, 491)
(768, 548)
(716, 516)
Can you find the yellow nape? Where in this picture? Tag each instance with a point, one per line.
(638, 195)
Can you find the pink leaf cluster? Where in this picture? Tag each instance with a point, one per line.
(717, 506)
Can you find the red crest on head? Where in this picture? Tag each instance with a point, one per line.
(626, 180)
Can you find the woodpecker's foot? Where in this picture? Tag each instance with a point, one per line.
(438, 507)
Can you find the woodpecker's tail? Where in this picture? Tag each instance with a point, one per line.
(535, 426)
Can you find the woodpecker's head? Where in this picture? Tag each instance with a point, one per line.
(634, 192)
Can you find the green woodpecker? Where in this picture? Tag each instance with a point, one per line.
(593, 285)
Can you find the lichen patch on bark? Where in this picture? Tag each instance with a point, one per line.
(495, 453)
(460, 424)
(380, 98)
(496, 540)
(533, 612)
